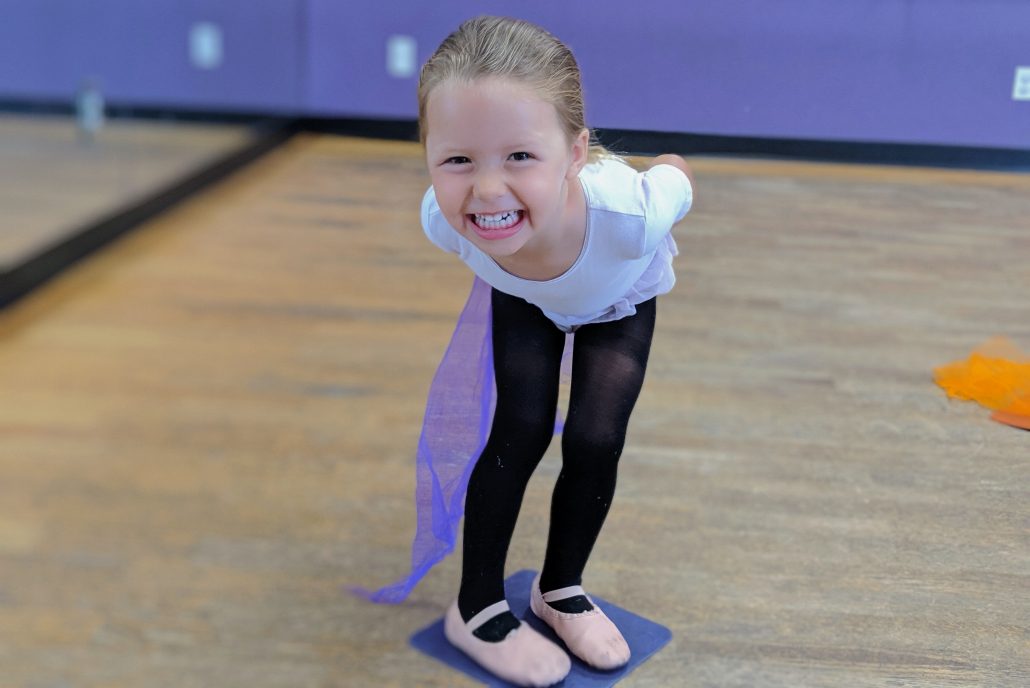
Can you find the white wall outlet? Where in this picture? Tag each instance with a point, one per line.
(400, 56)
(1021, 85)
(206, 45)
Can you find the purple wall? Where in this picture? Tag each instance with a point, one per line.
(138, 51)
(919, 71)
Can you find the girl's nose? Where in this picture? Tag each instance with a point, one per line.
(489, 185)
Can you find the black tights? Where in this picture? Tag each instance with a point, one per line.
(608, 366)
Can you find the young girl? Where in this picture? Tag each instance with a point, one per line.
(570, 239)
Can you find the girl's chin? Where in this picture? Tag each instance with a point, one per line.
(498, 249)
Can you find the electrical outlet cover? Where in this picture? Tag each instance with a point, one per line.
(1021, 84)
(400, 56)
(206, 45)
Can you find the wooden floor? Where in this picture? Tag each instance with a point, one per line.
(207, 430)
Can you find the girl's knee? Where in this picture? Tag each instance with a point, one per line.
(591, 450)
(523, 439)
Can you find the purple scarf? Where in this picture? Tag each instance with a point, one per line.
(454, 430)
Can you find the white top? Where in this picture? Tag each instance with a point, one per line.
(627, 251)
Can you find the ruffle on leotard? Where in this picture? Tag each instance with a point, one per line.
(658, 278)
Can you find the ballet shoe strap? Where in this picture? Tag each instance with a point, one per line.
(563, 593)
(487, 614)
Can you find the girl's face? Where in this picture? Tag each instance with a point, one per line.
(500, 163)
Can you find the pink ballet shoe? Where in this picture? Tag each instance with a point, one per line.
(591, 635)
(524, 657)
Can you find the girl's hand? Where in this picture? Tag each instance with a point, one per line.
(677, 162)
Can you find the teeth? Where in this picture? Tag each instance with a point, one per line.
(498, 220)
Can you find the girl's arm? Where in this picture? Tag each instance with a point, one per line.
(677, 162)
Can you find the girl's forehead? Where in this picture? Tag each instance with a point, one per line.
(491, 111)
(488, 86)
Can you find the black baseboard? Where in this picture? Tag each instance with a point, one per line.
(389, 129)
(635, 142)
(858, 152)
(117, 111)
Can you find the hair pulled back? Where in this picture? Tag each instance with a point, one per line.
(502, 47)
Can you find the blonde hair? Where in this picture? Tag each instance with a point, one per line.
(512, 49)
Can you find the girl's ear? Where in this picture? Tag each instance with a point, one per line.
(580, 151)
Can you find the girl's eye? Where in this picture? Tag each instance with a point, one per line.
(456, 160)
(521, 156)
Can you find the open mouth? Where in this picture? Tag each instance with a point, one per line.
(497, 225)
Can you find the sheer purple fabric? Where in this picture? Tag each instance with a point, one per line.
(454, 430)
(457, 421)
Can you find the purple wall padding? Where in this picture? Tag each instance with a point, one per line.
(139, 52)
(915, 71)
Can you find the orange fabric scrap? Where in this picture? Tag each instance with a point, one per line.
(996, 375)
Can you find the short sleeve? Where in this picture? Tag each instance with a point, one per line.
(436, 227)
(667, 197)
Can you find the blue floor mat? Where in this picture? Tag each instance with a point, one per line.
(644, 637)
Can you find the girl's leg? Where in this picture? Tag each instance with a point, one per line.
(609, 360)
(527, 359)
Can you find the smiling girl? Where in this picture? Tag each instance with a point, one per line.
(570, 239)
